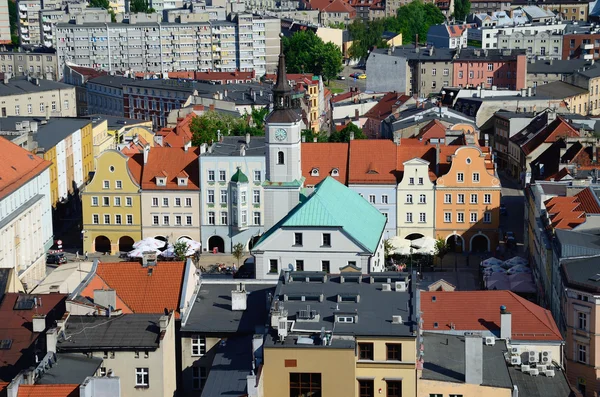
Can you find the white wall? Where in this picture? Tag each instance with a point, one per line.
(416, 168)
(280, 246)
(61, 170)
(77, 158)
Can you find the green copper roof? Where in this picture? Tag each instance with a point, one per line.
(335, 205)
(239, 176)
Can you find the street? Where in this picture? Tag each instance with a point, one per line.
(514, 199)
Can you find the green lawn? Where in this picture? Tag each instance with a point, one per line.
(336, 87)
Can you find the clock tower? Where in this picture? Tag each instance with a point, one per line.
(283, 137)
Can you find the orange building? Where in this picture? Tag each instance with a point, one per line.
(468, 201)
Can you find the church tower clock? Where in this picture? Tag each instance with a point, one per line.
(284, 125)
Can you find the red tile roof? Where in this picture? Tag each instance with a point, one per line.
(135, 146)
(334, 6)
(434, 129)
(48, 391)
(458, 30)
(213, 76)
(568, 212)
(169, 162)
(325, 157)
(18, 166)
(386, 105)
(134, 164)
(559, 128)
(372, 161)
(138, 292)
(480, 311)
(16, 325)
(90, 73)
(343, 96)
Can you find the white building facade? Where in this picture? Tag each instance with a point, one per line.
(25, 217)
(416, 201)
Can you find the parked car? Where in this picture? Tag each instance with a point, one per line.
(355, 75)
(56, 259)
(503, 209)
(362, 76)
(341, 77)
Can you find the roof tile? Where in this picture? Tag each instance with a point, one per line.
(48, 391)
(324, 157)
(529, 321)
(18, 166)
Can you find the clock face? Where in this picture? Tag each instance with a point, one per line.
(280, 134)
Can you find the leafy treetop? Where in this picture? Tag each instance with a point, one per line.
(305, 52)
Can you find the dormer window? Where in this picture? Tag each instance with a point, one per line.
(335, 172)
(314, 172)
(182, 181)
(161, 181)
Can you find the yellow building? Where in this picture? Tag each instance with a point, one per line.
(102, 140)
(341, 335)
(111, 204)
(65, 142)
(120, 127)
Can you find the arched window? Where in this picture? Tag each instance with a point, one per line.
(280, 158)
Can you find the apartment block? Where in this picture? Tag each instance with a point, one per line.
(38, 63)
(33, 97)
(248, 43)
(5, 37)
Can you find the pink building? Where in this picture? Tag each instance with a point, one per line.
(500, 68)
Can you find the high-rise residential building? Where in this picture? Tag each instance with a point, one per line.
(4, 23)
(246, 43)
(30, 26)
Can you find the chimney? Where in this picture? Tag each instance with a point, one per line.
(51, 340)
(146, 153)
(397, 139)
(211, 107)
(473, 358)
(225, 92)
(39, 323)
(158, 139)
(515, 391)
(203, 148)
(6, 78)
(551, 116)
(303, 138)
(437, 158)
(315, 139)
(187, 146)
(239, 298)
(356, 114)
(106, 298)
(351, 135)
(505, 323)
(163, 322)
(529, 91)
(247, 139)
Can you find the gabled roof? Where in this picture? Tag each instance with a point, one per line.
(363, 222)
(559, 128)
(386, 105)
(171, 161)
(568, 212)
(16, 325)
(372, 161)
(138, 291)
(331, 6)
(529, 321)
(89, 73)
(325, 157)
(18, 166)
(48, 390)
(458, 30)
(433, 129)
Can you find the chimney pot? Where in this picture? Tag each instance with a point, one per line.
(505, 323)
(239, 300)
(247, 139)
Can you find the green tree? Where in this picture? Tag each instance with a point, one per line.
(388, 248)
(180, 248)
(366, 35)
(344, 134)
(258, 117)
(238, 252)
(12, 16)
(440, 249)
(305, 52)
(415, 19)
(462, 8)
(309, 135)
(205, 128)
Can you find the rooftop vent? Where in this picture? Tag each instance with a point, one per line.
(396, 319)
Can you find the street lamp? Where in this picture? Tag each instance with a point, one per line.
(455, 253)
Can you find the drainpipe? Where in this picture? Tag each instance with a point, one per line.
(108, 40)
(162, 65)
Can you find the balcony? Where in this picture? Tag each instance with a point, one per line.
(588, 57)
(23, 15)
(22, 7)
(24, 29)
(587, 46)
(47, 28)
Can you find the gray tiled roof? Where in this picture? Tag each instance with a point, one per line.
(375, 308)
(21, 86)
(558, 89)
(230, 367)
(70, 368)
(581, 273)
(124, 332)
(230, 146)
(445, 360)
(541, 386)
(556, 66)
(211, 311)
(48, 135)
(409, 52)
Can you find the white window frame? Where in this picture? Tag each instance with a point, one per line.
(198, 343)
(129, 219)
(422, 217)
(487, 217)
(422, 199)
(188, 201)
(487, 198)
(409, 217)
(460, 217)
(409, 199)
(460, 198)
(144, 373)
(128, 201)
(473, 199)
(447, 217)
(473, 217)
(476, 177)
(460, 177)
(384, 199)
(211, 175)
(447, 198)
(372, 199)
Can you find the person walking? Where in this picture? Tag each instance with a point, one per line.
(86, 256)
(77, 255)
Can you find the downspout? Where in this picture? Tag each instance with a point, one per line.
(108, 40)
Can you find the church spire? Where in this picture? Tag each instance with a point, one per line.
(282, 92)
